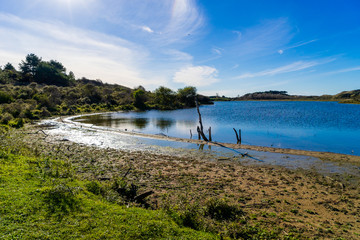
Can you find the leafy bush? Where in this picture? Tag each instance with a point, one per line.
(16, 123)
(94, 187)
(5, 98)
(61, 199)
(6, 118)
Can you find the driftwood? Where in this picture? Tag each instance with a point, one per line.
(142, 196)
(200, 129)
(210, 134)
(127, 172)
(238, 136)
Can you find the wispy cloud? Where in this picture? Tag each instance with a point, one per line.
(261, 39)
(86, 53)
(217, 51)
(186, 19)
(293, 67)
(177, 55)
(197, 76)
(281, 51)
(171, 21)
(345, 70)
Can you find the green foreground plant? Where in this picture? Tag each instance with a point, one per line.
(42, 199)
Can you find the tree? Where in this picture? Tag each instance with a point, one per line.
(58, 66)
(165, 97)
(71, 76)
(48, 74)
(29, 66)
(139, 98)
(187, 96)
(9, 67)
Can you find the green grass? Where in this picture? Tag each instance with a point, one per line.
(40, 199)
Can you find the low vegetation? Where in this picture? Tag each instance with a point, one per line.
(41, 89)
(42, 197)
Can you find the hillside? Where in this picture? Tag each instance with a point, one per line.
(41, 89)
(343, 97)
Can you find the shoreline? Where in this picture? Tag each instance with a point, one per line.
(327, 156)
(300, 202)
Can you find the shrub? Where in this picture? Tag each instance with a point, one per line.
(6, 118)
(5, 98)
(94, 187)
(191, 217)
(16, 123)
(220, 209)
(61, 198)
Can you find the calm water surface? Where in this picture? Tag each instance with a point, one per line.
(318, 126)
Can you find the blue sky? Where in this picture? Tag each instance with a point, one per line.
(228, 47)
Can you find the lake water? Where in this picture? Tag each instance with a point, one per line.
(318, 126)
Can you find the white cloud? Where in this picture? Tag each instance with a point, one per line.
(196, 76)
(86, 53)
(281, 51)
(293, 67)
(147, 29)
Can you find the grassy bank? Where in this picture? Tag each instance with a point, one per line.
(41, 198)
(57, 189)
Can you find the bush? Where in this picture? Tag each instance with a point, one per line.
(6, 118)
(94, 187)
(61, 198)
(191, 217)
(5, 98)
(16, 123)
(220, 209)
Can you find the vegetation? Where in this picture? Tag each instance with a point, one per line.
(41, 198)
(57, 189)
(44, 88)
(343, 97)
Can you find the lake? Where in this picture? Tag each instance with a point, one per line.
(317, 126)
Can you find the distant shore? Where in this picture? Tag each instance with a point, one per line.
(352, 97)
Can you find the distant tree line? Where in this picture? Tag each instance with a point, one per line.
(267, 95)
(343, 97)
(42, 89)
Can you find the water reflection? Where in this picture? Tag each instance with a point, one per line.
(201, 146)
(164, 124)
(318, 126)
(140, 123)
